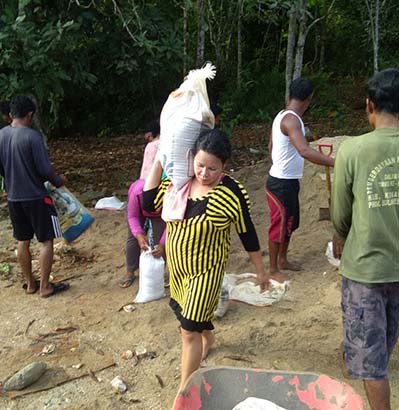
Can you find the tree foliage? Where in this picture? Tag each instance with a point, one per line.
(107, 66)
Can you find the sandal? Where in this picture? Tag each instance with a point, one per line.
(126, 282)
(57, 288)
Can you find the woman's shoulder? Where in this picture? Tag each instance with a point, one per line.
(231, 183)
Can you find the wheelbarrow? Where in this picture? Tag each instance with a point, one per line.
(222, 388)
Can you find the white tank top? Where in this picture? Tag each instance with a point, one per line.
(287, 162)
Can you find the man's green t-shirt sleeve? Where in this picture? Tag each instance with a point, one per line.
(342, 196)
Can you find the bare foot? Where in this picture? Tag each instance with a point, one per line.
(208, 339)
(31, 286)
(289, 266)
(279, 277)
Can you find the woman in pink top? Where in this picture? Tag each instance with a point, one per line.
(137, 240)
(151, 135)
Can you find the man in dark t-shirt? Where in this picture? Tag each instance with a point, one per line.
(25, 166)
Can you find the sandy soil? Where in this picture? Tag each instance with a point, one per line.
(302, 332)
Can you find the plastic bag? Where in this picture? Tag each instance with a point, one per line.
(223, 303)
(152, 278)
(110, 203)
(185, 114)
(330, 255)
(73, 216)
(253, 403)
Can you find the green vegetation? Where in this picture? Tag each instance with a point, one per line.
(106, 67)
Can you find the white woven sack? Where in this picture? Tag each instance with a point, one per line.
(253, 403)
(185, 114)
(152, 278)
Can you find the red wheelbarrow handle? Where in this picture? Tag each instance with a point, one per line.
(323, 145)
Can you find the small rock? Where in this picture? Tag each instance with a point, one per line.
(141, 351)
(118, 384)
(48, 349)
(127, 355)
(129, 308)
(26, 376)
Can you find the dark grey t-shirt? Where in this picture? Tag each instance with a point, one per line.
(25, 164)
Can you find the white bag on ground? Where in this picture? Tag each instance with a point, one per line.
(152, 278)
(223, 303)
(185, 114)
(330, 255)
(253, 403)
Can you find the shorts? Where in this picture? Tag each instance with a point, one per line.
(37, 217)
(188, 324)
(282, 197)
(371, 327)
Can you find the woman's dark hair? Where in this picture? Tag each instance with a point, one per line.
(214, 142)
(383, 91)
(301, 89)
(21, 106)
(153, 127)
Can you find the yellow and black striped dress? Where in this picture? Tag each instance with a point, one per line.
(197, 247)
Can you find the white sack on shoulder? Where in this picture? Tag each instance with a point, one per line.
(185, 114)
(152, 278)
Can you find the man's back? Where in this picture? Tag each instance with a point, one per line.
(366, 206)
(24, 163)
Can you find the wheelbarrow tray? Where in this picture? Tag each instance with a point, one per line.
(221, 388)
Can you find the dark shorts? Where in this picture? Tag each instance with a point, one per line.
(37, 217)
(188, 324)
(282, 197)
(371, 327)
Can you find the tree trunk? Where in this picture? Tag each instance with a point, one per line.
(374, 10)
(36, 117)
(289, 61)
(201, 32)
(323, 37)
(185, 37)
(300, 46)
(376, 34)
(239, 41)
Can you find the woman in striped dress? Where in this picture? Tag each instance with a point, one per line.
(197, 247)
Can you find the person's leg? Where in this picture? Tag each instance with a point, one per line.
(191, 354)
(190, 358)
(46, 263)
(25, 261)
(378, 394)
(208, 339)
(132, 260)
(274, 250)
(290, 200)
(283, 262)
(366, 339)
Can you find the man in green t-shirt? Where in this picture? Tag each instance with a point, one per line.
(365, 214)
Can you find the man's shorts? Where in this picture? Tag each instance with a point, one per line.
(371, 327)
(37, 217)
(282, 197)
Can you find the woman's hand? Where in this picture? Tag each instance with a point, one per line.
(142, 240)
(262, 279)
(159, 251)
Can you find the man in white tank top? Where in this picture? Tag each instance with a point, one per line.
(289, 148)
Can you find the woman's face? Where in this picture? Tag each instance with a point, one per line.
(207, 168)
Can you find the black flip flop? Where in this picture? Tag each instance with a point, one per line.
(57, 288)
(37, 287)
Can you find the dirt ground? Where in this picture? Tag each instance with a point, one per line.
(87, 328)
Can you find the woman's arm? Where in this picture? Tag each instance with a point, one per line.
(262, 278)
(154, 177)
